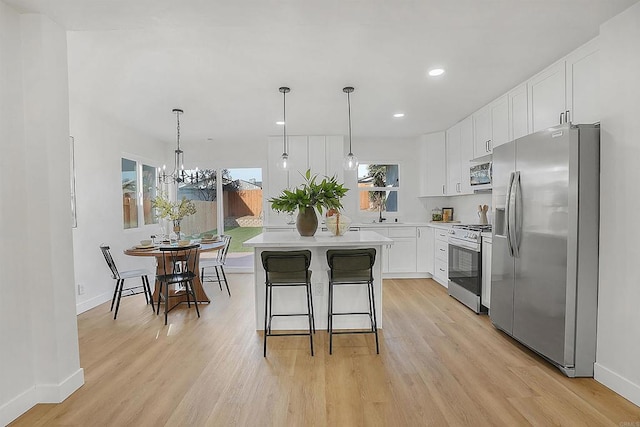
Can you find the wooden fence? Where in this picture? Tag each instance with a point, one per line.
(243, 203)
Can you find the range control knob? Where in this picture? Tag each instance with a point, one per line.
(451, 231)
(473, 235)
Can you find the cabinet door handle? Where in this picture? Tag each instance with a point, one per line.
(443, 189)
(418, 233)
(566, 116)
(561, 118)
(442, 249)
(489, 145)
(441, 270)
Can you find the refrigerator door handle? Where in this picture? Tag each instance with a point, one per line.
(508, 213)
(517, 215)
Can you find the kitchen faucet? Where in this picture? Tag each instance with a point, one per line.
(380, 219)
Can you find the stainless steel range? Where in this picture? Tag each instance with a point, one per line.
(465, 265)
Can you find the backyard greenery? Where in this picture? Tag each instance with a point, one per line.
(238, 235)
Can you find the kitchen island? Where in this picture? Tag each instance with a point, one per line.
(347, 298)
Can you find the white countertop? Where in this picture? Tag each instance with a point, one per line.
(321, 239)
(373, 225)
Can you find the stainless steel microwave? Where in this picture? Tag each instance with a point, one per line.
(480, 176)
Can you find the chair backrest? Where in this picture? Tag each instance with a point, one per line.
(286, 261)
(350, 260)
(110, 262)
(180, 259)
(222, 253)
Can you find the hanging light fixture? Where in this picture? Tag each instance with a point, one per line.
(351, 161)
(178, 174)
(283, 161)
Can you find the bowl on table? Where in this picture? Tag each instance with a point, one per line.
(184, 242)
(146, 242)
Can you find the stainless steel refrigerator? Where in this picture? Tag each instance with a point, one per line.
(544, 270)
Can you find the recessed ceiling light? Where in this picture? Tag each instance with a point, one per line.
(436, 72)
(397, 115)
(280, 123)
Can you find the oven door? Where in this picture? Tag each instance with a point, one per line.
(465, 266)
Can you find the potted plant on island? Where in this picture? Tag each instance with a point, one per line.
(308, 197)
(173, 211)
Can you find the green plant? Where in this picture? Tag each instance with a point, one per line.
(325, 194)
(172, 210)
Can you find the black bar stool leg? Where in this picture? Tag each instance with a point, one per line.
(375, 321)
(225, 280)
(266, 314)
(218, 276)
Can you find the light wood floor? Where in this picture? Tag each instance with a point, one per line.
(439, 364)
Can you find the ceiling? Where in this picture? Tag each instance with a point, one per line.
(223, 61)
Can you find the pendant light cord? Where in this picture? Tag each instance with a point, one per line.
(349, 107)
(284, 119)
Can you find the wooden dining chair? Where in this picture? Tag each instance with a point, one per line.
(178, 268)
(218, 265)
(121, 276)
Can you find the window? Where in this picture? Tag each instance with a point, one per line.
(138, 189)
(378, 185)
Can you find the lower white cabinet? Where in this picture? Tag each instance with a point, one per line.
(424, 250)
(441, 257)
(402, 254)
(485, 297)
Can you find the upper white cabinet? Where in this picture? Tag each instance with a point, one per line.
(518, 112)
(499, 122)
(482, 131)
(547, 104)
(466, 154)
(491, 126)
(460, 151)
(433, 157)
(322, 154)
(583, 84)
(567, 91)
(454, 173)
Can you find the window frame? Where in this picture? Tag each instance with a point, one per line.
(140, 162)
(372, 214)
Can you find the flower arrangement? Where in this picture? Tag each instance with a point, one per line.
(174, 211)
(325, 194)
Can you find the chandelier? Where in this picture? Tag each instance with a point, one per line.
(178, 174)
(351, 161)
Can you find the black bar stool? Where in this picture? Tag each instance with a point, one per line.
(352, 267)
(287, 269)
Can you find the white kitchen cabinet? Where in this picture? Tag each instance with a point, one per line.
(454, 174)
(583, 83)
(466, 154)
(491, 126)
(322, 154)
(459, 151)
(402, 254)
(485, 296)
(482, 131)
(547, 105)
(518, 112)
(424, 250)
(441, 256)
(385, 249)
(298, 150)
(433, 159)
(499, 122)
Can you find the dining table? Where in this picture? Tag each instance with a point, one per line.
(178, 296)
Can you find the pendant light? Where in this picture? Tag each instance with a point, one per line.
(283, 161)
(351, 161)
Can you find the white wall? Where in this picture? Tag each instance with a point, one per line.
(618, 351)
(39, 360)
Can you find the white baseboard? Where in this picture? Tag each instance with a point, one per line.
(406, 276)
(17, 406)
(617, 383)
(93, 302)
(56, 393)
(40, 393)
